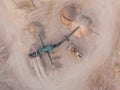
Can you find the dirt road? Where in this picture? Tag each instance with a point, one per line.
(19, 72)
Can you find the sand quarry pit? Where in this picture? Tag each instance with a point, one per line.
(21, 21)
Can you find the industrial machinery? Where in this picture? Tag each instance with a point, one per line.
(74, 51)
(48, 48)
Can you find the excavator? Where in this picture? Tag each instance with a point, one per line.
(48, 48)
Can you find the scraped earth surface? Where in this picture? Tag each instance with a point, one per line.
(22, 21)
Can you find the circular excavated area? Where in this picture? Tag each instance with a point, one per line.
(96, 41)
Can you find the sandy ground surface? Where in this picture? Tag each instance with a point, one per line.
(19, 72)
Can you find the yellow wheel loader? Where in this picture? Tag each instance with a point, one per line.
(74, 51)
